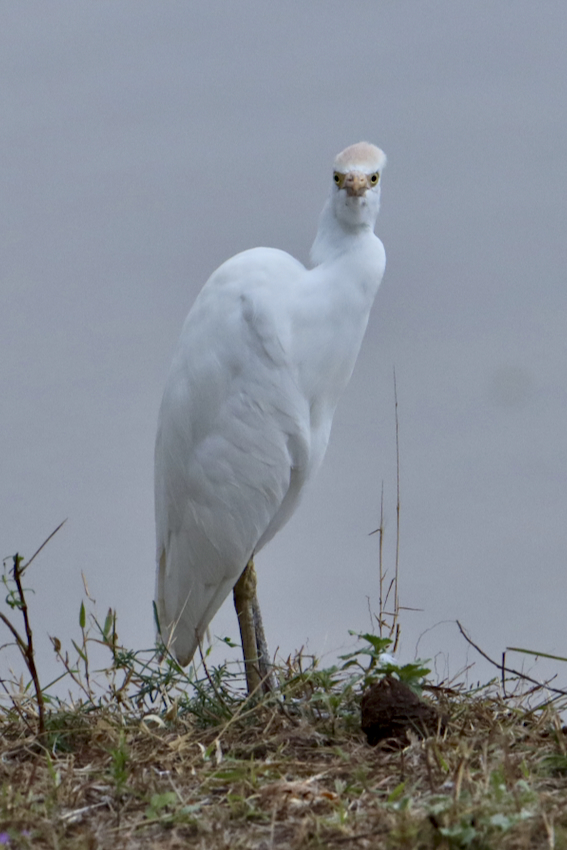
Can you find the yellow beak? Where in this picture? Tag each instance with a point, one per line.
(356, 183)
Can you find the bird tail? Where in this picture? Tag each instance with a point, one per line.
(167, 625)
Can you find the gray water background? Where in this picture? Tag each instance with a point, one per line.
(143, 143)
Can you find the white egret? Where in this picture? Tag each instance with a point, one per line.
(265, 352)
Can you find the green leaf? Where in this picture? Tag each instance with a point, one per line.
(82, 655)
(379, 644)
(463, 833)
(82, 616)
(108, 623)
(161, 801)
(397, 792)
(156, 617)
(501, 821)
(537, 654)
(191, 809)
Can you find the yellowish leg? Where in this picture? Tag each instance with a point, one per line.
(254, 646)
(244, 596)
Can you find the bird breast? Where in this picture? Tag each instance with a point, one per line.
(263, 357)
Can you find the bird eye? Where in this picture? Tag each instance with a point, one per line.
(374, 178)
(336, 178)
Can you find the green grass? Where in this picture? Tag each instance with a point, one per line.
(149, 755)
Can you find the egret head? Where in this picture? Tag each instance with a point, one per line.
(356, 184)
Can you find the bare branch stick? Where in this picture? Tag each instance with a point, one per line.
(45, 542)
(396, 596)
(510, 670)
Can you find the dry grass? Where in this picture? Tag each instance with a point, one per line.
(146, 755)
(275, 776)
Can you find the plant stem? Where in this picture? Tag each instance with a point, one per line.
(27, 647)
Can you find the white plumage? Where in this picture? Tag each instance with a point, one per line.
(264, 355)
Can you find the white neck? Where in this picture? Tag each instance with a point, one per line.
(335, 237)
